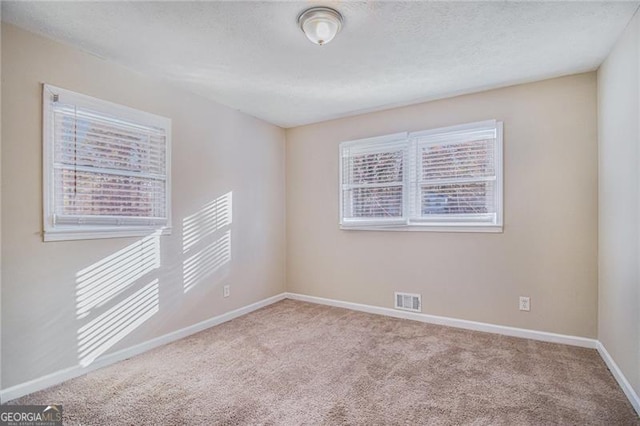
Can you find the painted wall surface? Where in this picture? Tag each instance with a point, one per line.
(66, 303)
(0, 195)
(548, 250)
(619, 203)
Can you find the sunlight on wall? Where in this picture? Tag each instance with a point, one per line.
(107, 278)
(211, 217)
(206, 261)
(109, 328)
(204, 256)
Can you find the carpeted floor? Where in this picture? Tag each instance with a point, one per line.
(295, 363)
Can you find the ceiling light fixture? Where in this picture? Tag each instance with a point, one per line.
(320, 24)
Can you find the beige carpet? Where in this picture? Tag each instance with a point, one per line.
(296, 363)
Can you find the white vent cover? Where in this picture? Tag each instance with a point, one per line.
(408, 302)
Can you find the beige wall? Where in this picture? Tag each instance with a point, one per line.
(0, 195)
(619, 204)
(548, 250)
(216, 150)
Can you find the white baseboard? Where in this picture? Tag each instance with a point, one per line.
(490, 328)
(452, 322)
(60, 376)
(620, 378)
(76, 371)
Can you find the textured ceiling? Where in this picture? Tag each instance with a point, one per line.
(252, 56)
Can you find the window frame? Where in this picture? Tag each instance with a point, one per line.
(80, 231)
(411, 193)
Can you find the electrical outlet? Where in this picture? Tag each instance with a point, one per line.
(225, 291)
(525, 303)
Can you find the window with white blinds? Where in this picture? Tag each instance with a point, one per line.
(373, 180)
(106, 168)
(440, 179)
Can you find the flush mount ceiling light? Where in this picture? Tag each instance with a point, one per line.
(320, 24)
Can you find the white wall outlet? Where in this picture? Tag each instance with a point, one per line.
(525, 303)
(226, 291)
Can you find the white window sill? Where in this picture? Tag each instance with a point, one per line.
(427, 228)
(69, 234)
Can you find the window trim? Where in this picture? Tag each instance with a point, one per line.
(412, 224)
(66, 232)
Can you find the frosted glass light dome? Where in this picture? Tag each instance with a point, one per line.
(320, 24)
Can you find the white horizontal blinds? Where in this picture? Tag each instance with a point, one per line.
(373, 175)
(449, 177)
(106, 170)
(457, 176)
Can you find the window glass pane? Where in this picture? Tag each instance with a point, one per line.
(85, 140)
(381, 167)
(379, 202)
(459, 198)
(458, 160)
(101, 194)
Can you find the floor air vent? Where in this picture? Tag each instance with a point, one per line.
(408, 302)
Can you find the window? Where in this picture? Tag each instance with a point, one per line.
(106, 168)
(447, 179)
